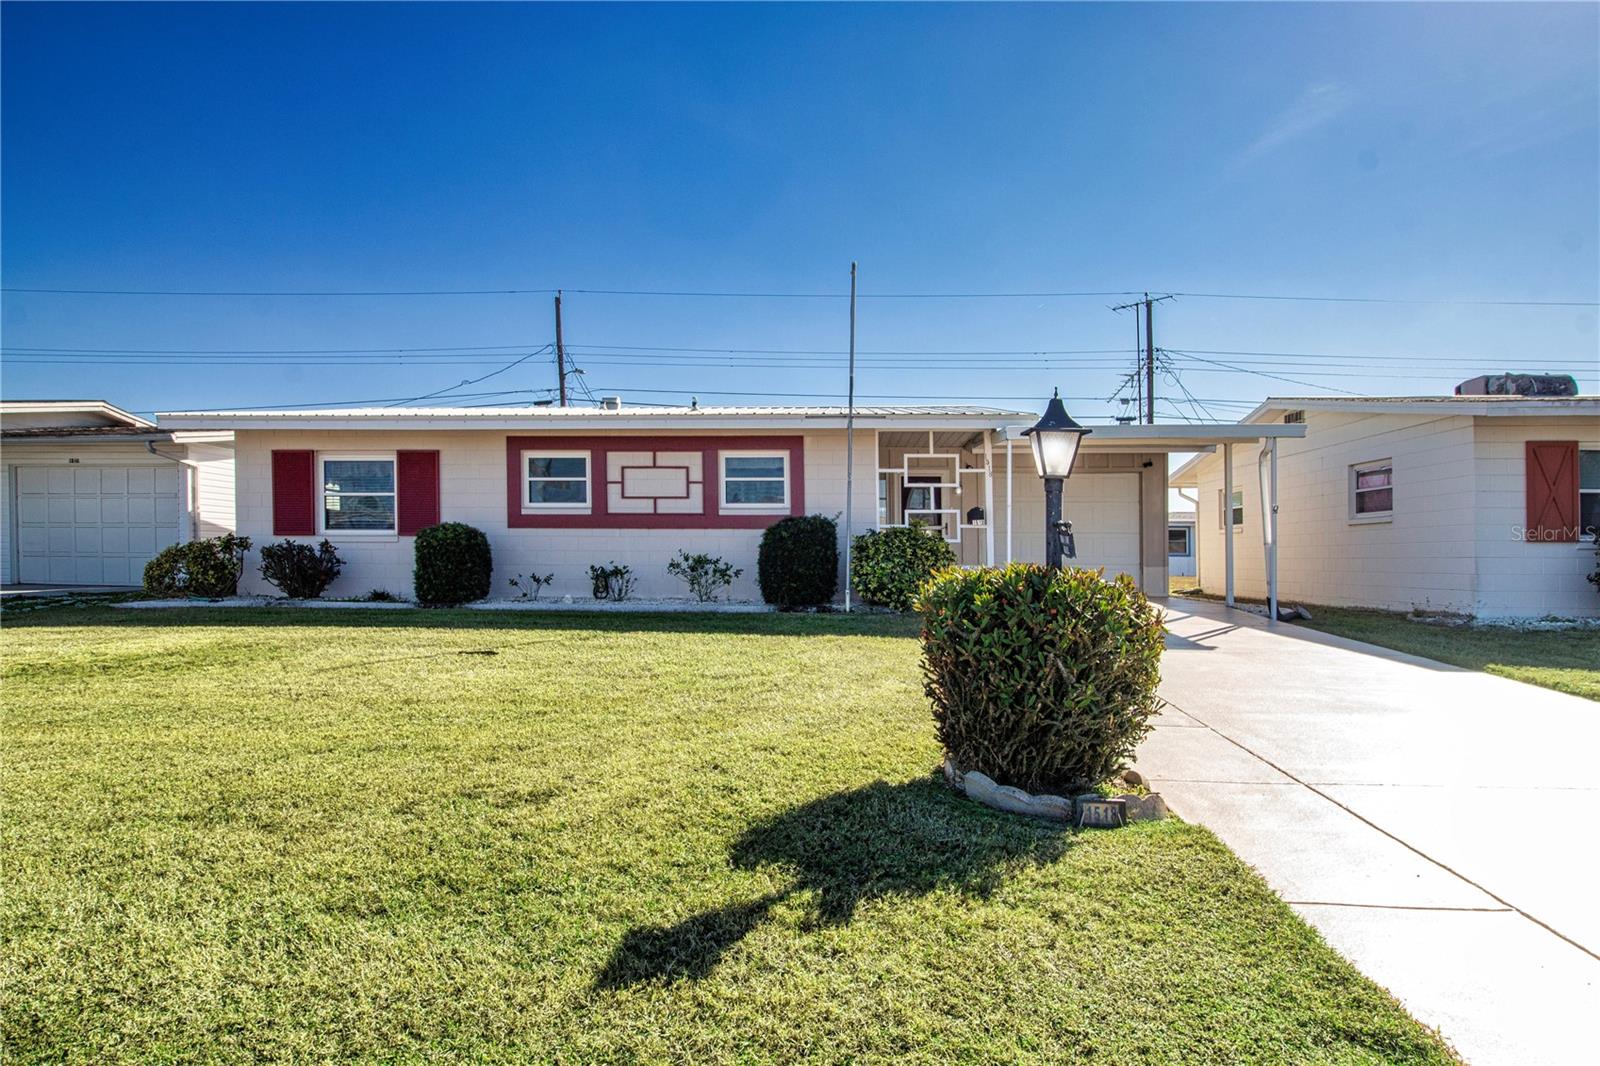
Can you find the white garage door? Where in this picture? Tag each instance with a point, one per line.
(1104, 512)
(93, 525)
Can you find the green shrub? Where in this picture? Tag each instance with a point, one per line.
(887, 566)
(1045, 680)
(453, 565)
(298, 570)
(798, 563)
(529, 586)
(611, 581)
(705, 574)
(208, 568)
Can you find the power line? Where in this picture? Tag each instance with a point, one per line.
(1003, 295)
(493, 373)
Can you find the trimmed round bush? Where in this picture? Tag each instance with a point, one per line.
(453, 566)
(298, 570)
(888, 566)
(1044, 680)
(798, 562)
(208, 568)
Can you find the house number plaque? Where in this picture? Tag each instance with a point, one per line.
(1095, 812)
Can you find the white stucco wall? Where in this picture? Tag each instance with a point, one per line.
(1459, 494)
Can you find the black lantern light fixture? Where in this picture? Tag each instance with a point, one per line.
(1055, 439)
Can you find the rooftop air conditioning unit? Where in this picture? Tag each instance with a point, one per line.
(611, 403)
(1519, 385)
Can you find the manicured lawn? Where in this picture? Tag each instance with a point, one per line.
(1564, 659)
(397, 836)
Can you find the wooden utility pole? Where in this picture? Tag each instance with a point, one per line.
(1144, 377)
(1149, 362)
(561, 356)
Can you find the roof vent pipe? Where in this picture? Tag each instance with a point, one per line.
(611, 403)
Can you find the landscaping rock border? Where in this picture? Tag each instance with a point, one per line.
(984, 789)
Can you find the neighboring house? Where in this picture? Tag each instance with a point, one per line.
(1478, 505)
(1180, 544)
(93, 492)
(559, 489)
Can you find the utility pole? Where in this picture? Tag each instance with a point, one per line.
(850, 445)
(1149, 362)
(561, 355)
(1145, 382)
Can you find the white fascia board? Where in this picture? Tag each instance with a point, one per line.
(225, 422)
(1179, 438)
(1477, 407)
(96, 407)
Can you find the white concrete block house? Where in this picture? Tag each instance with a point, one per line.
(1476, 505)
(93, 492)
(558, 489)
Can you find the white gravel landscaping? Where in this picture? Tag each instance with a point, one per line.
(642, 606)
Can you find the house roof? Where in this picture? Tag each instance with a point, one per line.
(1485, 406)
(47, 433)
(973, 418)
(110, 413)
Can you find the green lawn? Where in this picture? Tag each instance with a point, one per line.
(1564, 659)
(337, 835)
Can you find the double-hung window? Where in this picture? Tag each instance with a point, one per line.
(755, 481)
(1237, 508)
(358, 494)
(555, 482)
(1589, 492)
(1372, 491)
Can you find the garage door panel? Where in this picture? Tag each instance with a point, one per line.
(93, 525)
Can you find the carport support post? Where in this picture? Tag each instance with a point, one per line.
(988, 498)
(1009, 443)
(1227, 523)
(1267, 471)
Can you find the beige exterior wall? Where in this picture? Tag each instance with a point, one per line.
(213, 488)
(1451, 544)
(1518, 577)
(473, 490)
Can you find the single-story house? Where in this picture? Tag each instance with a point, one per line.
(1180, 544)
(1468, 504)
(92, 492)
(558, 489)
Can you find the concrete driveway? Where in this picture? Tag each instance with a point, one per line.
(1440, 827)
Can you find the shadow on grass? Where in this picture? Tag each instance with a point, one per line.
(203, 618)
(843, 850)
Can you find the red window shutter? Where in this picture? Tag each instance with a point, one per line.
(294, 494)
(1552, 488)
(417, 482)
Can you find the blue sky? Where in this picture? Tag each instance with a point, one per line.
(1429, 153)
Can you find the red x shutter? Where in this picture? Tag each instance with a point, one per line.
(417, 481)
(294, 494)
(1552, 490)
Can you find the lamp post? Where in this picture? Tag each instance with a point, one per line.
(1055, 439)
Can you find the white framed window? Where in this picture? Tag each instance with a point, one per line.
(358, 494)
(1589, 493)
(755, 481)
(1238, 508)
(1178, 541)
(1372, 491)
(556, 482)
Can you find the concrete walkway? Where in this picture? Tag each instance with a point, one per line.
(1440, 827)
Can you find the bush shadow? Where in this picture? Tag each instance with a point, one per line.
(841, 851)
